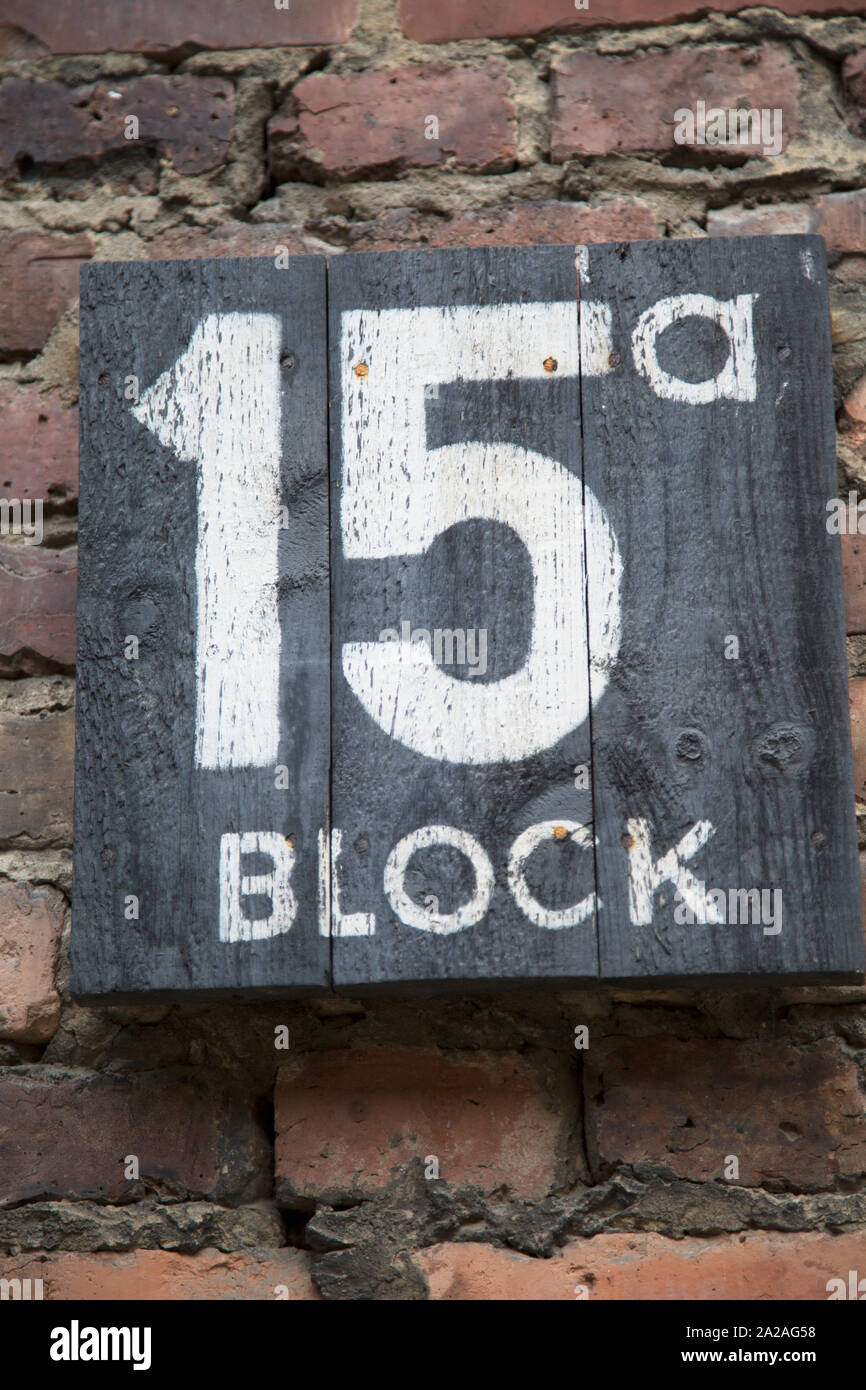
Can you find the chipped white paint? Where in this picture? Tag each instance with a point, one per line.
(219, 407)
(596, 338)
(647, 875)
(234, 885)
(412, 914)
(398, 496)
(737, 380)
(324, 883)
(345, 923)
(554, 919)
(581, 262)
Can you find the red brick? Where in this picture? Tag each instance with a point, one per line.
(373, 123)
(831, 994)
(190, 119)
(38, 445)
(854, 77)
(857, 706)
(851, 447)
(848, 270)
(67, 1134)
(610, 105)
(233, 239)
(518, 224)
(38, 283)
(757, 1265)
(472, 19)
(36, 760)
(155, 1275)
(854, 83)
(164, 26)
(840, 218)
(793, 1116)
(348, 1121)
(854, 580)
(37, 605)
(515, 224)
(31, 920)
(769, 219)
(853, 415)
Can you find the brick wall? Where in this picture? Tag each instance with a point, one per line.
(174, 1151)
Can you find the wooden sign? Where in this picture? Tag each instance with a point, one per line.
(584, 717)
(201, 780)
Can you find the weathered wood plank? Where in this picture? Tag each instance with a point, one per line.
(456, 507)
(495, 458)
(722, 738)
(202, 731)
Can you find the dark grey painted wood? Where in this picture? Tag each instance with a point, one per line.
(720, 512)
(148, 822)
(476, 575)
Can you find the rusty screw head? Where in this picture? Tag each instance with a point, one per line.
(550, 364)
(361, 369)
(559, 832)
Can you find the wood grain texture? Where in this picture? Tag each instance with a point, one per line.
(457, 506)
(163, 771)
(559, 660)
(736, 751)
